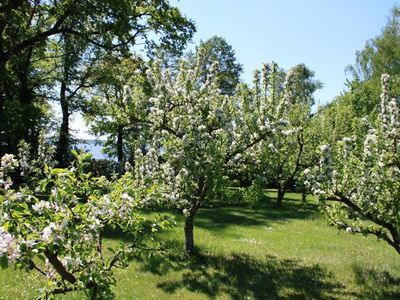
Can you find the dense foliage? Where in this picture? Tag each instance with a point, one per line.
(51, 51)
(361, 183)
(54, 224)
(195, 134)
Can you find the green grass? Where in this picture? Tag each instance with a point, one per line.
(260, 253)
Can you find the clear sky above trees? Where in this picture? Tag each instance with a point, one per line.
(324, 35)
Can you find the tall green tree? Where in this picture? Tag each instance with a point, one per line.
(380, 55)
(27, 28)
(118, 96)
(20, 81)
(218, 49)
(73, 71)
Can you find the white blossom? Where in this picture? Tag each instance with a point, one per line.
(8, 161)
(41, 206)
(48, 232)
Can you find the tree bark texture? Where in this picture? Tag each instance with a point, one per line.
(189, 238)
(280, 196)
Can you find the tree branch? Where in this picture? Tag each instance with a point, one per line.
(395, 242)
(297, 166)
(261, 137)
(56, 263)
(33, 266)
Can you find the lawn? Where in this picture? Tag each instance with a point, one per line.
(259, 253)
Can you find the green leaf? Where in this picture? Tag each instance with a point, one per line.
(41, 257)
(6, 225)
(3, 262)
(46, 168)
(58, 171)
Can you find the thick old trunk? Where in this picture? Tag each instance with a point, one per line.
(29, 116)
(189, 239)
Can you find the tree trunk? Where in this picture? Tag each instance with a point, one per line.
(120, 144)
(281, 194)
(304, 196)
(3, 85)
(63, 141)
(63, 149)
(94, 293)
(201, 194)
(26, 99)
(189, 240)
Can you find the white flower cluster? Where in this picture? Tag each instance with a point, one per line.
(389, 110)
(8, 163)
(322, 175)
(49, 233)
(71, 263)
(41, 206)
(370, 143)
(367, 177)
(288, 86)
(8, 245)
(146, 165)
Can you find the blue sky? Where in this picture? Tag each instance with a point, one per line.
(323, 34)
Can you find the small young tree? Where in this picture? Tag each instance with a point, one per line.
(54, 225)
(358, 187)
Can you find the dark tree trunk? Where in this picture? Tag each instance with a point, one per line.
(2, 68)
(25, 96)
(189, 239)
(94, 293)
(25, 90)
(120, 144)
(304, 196)
(63, 146)
(280, 196)
(63, 142)
(2, 86)
(189, 219)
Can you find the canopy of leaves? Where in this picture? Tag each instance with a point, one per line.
(32, 56)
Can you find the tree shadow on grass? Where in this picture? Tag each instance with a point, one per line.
(220, 217)
(241, 276)
(264, 214)
(376, 284)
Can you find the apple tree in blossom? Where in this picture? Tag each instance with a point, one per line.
(54, 224)
(359, 185)
(197, 135)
